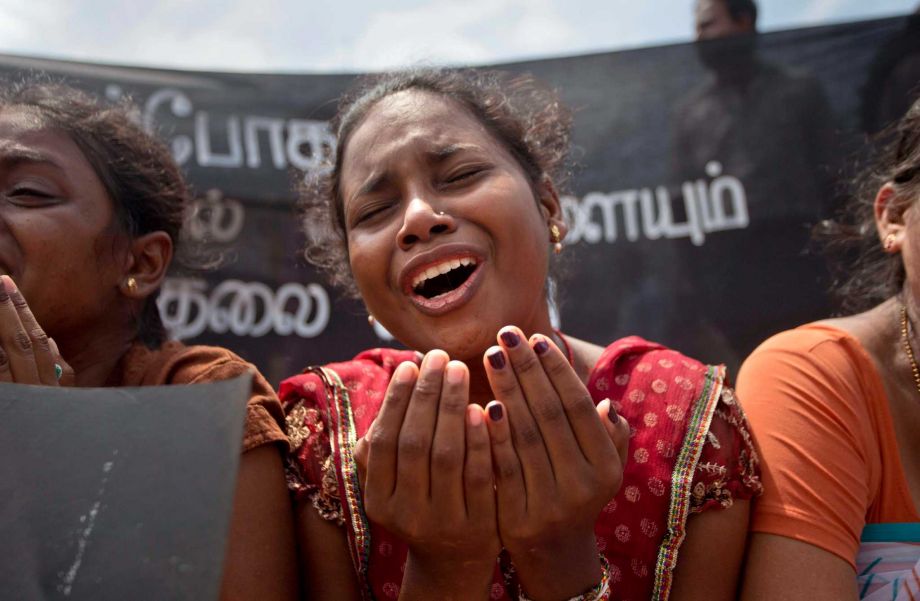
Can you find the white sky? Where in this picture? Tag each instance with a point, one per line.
(360, 35)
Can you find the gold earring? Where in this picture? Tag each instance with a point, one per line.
(555, 236)
(889, 242)
(371, 320)
(131, 285)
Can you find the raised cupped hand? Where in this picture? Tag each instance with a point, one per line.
(27, 354)
(558, 460)
(429, 480)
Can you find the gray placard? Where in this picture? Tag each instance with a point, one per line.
(117, 493)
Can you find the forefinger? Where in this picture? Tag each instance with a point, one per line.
(447, 451)
(589, 431)
(41, 347)
(14, 338)
(413, 468)
(383, 438)
(543, 399)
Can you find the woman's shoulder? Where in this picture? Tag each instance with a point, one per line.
(818, 336)
(176, 363)
(816, 355)
(368, 371)
(635, 368)
(671, 401)
(644, 352)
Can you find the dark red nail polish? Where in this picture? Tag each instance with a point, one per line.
(541, 346)
(496, 412)
(510, 339)
(612, 415)
(497, 360)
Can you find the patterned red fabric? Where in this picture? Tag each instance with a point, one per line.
(683, 421)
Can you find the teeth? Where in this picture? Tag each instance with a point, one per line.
(441, 268)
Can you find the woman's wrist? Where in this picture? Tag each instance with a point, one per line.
(599, 592)
(558, 571)
(427, 578)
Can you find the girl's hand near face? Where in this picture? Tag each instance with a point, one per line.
(429, 480)
(558, 461)
(27, 354)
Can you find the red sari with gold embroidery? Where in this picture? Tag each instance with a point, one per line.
(690, 451)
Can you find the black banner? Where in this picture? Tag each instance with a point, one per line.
(701, 169)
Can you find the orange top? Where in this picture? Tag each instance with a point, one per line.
(819, 413)
(176, 363)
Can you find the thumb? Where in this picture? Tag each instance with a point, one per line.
(361, 453)
(617, 428)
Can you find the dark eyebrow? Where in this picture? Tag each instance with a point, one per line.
(15, 155)
(445, 152)
(371, 185)
(438, 155)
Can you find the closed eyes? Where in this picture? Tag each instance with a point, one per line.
(464, 175)
(29, 195)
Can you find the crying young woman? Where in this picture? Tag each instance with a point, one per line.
(499, 458)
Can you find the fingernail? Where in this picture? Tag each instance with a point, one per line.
(497, 359)
(474, 415)
(455, 371)
(541, 346)
(612, 414)
(404, 372)
(496, 411)
(58, 371)
(510, 339)
(435, 360)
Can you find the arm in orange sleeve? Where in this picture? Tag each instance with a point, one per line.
(804, 392)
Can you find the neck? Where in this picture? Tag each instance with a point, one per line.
(907, 301)
(93, 353)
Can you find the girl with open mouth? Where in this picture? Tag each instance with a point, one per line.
(499, 458)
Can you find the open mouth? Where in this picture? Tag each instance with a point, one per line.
(443, 277)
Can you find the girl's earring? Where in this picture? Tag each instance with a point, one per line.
(371, 320)
(889, 243)
(555, 236)
(131, 285)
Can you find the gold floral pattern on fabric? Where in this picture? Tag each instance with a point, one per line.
(326, 498)
(305, 428)
(721, 471)
(300, 423)
(713, 492)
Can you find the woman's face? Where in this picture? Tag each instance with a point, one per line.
(55, 219)
(447, 240)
